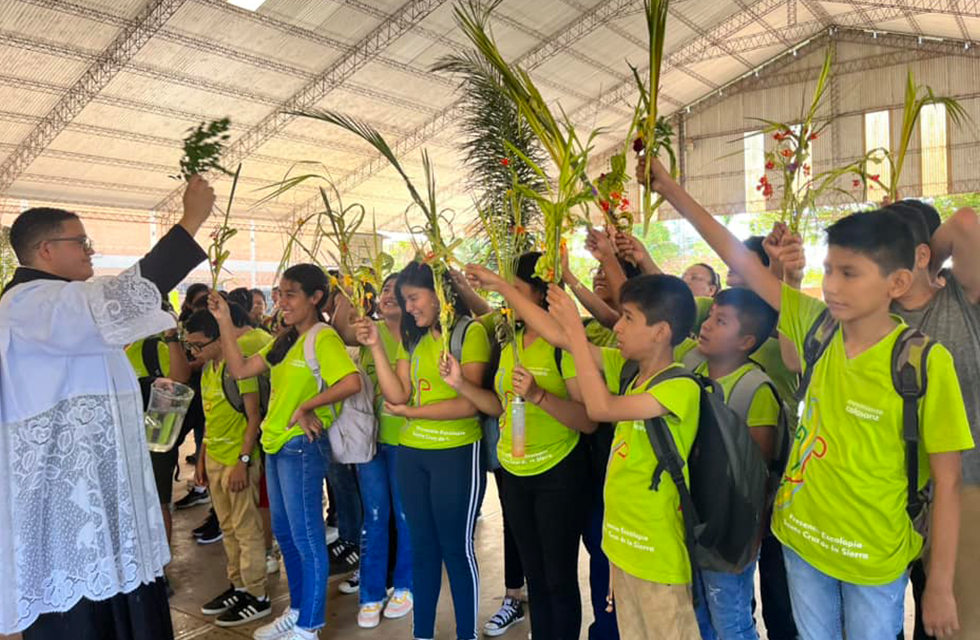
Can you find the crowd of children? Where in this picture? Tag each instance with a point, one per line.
(860, 410)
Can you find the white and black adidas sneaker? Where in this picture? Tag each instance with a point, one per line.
(247, 609)
(222, 602)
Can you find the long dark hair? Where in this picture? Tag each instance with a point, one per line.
(310, 279)
(524, 270)
(419, 274)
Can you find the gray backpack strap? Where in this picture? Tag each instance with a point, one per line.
(693, 359)
(740, 399)
(309, 352)
(458, 336)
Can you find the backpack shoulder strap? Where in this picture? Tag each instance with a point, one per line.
(693, 359)
(151, 357)
(909, 359)
(744, 390)
(629, 371)
(669, 460)
(230, 388)
(458, 336)
(814, 345)
(558, 358)
(309, 352)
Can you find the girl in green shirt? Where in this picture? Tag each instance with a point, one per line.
(293, 436)
(545, 487)
(380, 493)
(438, 467)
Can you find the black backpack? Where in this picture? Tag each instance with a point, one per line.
(234, 397)
(740, 401)
(725, 506)
(909, 357)
(151, 357)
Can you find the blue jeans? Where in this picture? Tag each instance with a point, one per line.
(825, 608)
(442, 490)
(343, 484)
(295, 481)
(379, 494)
(724, 609)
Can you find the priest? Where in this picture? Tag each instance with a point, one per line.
(82, 542)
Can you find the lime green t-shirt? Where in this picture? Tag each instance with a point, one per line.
(293, 384)
(134, 353)
(547, 441)
(842, 502)
(389, 426)
(599, 335)
(428, 387)
(224, 426)
(643, 530)
(769, 357)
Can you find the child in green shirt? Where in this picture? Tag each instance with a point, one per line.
(643, 530)
(297, 449)
(229, 464)
(841, 509)
(738, 323)
(439, 463)
(543, 480)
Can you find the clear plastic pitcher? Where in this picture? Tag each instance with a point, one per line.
(165, 413)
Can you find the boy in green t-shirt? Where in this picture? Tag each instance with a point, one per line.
(229, 463)
(643, 529)
(841, 509)
(738, 323)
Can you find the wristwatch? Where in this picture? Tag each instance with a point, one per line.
(247, 459)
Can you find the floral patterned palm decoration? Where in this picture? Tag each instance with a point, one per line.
(790, 159)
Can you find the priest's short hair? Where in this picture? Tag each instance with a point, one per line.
(33, 226)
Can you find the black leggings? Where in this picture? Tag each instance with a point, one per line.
(513, 568)
(547, 512)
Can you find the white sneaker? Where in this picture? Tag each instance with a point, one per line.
(352, 584)
(400, 605)
(369, 615)
(333, 535)
(302, 634)
(279, 629)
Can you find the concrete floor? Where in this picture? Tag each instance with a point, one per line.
(197, 573)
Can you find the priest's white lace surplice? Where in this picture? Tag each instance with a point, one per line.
(79, 512)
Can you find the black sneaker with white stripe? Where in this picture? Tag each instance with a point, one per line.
(247, 609)
(510, 613)
(344, 557)
(222, 603)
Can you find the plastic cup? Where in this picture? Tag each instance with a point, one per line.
(165, 414)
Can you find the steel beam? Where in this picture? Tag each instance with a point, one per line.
(97, 76)
(551, 46)
(395, 26)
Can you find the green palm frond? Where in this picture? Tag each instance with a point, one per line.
(217, 253)
(911, 110)
(441, 252)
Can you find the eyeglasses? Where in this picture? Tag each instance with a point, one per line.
(84, 241)
(197, 347)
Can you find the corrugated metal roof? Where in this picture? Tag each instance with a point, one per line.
(211, 59)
